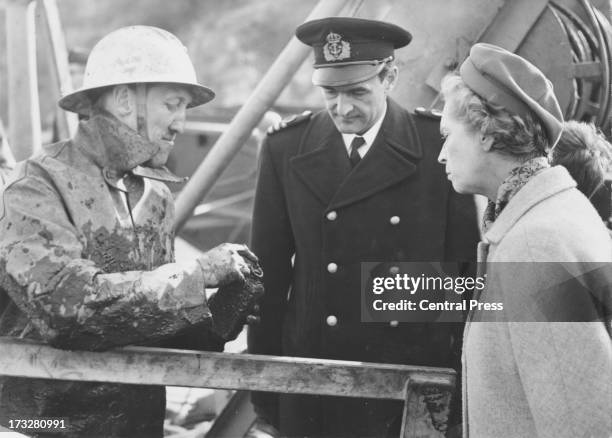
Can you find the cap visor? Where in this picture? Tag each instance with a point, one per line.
(345, 75)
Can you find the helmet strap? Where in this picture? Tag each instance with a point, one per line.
(141, 110)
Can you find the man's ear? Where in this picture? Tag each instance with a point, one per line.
(391, 79)
(486, 142)
(123, 100)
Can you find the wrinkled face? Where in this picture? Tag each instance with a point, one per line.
(166, 107)
(462, 154)
(355, 108)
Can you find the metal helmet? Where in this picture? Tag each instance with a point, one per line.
(132, 55)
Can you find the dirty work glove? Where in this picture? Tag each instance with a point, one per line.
(225, 264)
(236, 303)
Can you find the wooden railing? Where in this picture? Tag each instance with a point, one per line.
(425, 391)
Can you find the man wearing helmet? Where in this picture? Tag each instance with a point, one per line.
(86, 240)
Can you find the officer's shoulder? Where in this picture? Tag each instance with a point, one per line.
(293, 121)
(431, 114)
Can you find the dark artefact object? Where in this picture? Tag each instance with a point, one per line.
(230, 312)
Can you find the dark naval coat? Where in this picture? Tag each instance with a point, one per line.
(315, 220)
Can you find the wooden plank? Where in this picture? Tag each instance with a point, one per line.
(24, 113)
(158, 366)
(57, 57)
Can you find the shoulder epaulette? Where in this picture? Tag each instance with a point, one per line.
(293, 120)
(430, 113)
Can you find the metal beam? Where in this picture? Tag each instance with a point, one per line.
(159, 366)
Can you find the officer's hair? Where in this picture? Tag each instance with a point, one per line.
(521, 137)
(385, 71)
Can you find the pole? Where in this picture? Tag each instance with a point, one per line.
(24, 112)
(57, 57)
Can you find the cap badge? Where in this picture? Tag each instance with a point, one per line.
(335, 49)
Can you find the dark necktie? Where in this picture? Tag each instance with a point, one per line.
(354, 156)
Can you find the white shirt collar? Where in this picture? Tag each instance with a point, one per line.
(369, 136)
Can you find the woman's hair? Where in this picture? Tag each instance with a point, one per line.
(585, 153)
(522, 137)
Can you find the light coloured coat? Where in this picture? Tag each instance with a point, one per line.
(539, 379)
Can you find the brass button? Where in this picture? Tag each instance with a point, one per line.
(331, 320)
(332, 216)
(394, 220)
(393, 323)
(332, 268)
(394, 270)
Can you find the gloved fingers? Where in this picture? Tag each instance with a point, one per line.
(248, 254)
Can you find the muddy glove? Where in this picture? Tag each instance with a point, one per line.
(225, 264)
(236, 303)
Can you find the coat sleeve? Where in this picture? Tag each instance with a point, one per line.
(72, 302)
(272, 242)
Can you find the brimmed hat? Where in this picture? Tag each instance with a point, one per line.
(509, 81)
(350, 50)
(136, 54)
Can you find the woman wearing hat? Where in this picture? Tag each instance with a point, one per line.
(527, 371)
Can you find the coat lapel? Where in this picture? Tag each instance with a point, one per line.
(323, 163)
(391, 159)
